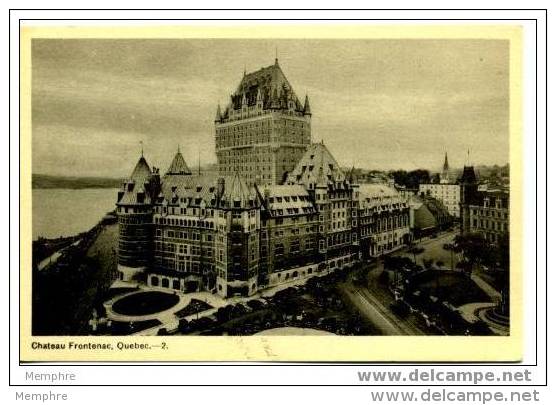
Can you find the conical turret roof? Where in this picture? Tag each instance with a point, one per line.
(307, 107)
(142, 171)
(178, 165)
(136, 190)
(218, 116)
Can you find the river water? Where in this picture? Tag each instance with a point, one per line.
(66, 212)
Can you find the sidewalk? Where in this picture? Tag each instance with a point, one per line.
(494, 295)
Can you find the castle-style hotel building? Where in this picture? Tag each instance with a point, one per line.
(280, 208)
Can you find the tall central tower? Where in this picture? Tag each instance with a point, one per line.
(264, 130)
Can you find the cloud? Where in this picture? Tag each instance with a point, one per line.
(381, 104)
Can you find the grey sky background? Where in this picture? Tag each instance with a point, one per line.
(377, 104)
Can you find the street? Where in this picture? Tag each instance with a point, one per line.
(434, 250)
(377, 311)
(374, 301)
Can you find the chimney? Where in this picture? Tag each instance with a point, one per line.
(221, 186)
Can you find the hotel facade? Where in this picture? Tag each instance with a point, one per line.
(279, 209)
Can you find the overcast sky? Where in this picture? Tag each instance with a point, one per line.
(377, 104)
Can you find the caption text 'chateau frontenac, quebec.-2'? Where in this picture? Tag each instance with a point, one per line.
(279, 209)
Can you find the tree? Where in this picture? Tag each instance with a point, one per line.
(224, 314)
(474, 248)
(183, 325)
(411, 179)
(504, 252)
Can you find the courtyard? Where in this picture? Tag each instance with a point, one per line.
(145, 302)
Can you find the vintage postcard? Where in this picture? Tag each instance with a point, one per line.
(271, 193)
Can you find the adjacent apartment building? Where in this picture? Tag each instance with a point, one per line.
(486, 212)
(447, 190)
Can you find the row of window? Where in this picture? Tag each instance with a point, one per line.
(190, 235)
(184, 222)
(263, 137)
(492, 225)
(134, 210)
(491, 213)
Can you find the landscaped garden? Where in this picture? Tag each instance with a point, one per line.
(316, 305)
(455, 287)
(145, 302)
(195, 306)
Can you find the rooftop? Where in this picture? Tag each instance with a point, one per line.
(316, 167)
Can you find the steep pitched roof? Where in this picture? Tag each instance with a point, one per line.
(269, 85)
(178, 165)
(423, 218)
(287, 200)
(138, 188)
(317, 166)
(446, 167)
(307, 107)
(142, 171)
(380, 195)
(238, 191)
(468, 176)
(204, 188)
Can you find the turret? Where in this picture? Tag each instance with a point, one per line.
(134, 210)
(468, 194)
(178, 165)
(307, 107)
(218, 117)
(244, 101)
(221, 185)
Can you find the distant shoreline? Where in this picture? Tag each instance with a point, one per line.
(42, 181)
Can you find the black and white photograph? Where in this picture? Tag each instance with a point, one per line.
(272, 187)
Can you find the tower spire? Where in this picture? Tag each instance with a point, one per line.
(276, 56)
(218, 114)
(141, 142)
(307, 107)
